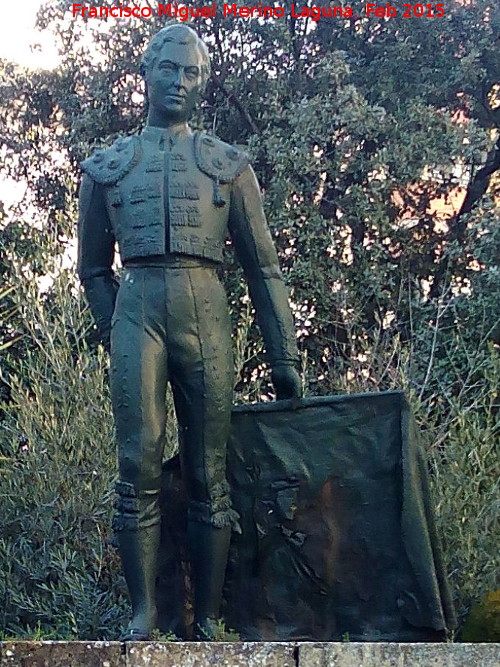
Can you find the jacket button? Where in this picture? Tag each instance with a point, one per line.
(232, 154)
(217, 162)
(99, 156)
(113, 164)
(208, 141)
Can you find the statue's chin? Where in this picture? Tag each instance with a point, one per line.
(180, 116)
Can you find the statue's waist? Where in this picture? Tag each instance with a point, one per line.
(169, 261)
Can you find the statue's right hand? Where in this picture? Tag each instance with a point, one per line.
(286, 381)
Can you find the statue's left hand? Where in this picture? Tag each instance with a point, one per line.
(286, 381)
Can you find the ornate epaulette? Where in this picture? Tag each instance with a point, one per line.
(108, 166)
(217, 159)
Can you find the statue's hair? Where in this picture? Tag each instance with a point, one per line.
(179, 34)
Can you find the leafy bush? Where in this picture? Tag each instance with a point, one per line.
(483, 624)
(351, 156)
(60, 575)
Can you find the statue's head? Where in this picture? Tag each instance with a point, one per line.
(176, 67)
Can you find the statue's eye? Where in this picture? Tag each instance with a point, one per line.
(191, 73)
(167, 68)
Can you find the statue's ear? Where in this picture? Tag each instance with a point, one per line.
(146, 94)
(143, 71)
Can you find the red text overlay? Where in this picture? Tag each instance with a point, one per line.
(186, 12)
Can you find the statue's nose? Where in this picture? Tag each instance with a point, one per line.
(180, 80)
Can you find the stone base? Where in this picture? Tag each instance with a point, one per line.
(398, 655)
(246, 654)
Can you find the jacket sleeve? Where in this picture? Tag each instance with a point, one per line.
(256, 253)
(96, 250)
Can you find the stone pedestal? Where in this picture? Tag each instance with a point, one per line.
(246, 654)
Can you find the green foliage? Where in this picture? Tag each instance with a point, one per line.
(464, 434)
(354, 128)
(483, 623)
(224, 634)
(158, 636)
(61, 576)
(6, 313)
(59, 572)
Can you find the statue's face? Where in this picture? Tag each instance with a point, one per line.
(175, 81)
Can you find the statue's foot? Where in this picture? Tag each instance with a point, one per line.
(140, 627)
(135, 635)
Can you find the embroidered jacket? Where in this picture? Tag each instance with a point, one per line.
(153, 199)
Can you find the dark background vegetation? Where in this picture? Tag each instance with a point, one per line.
(377, 147)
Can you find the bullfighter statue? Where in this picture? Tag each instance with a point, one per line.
(169, 197)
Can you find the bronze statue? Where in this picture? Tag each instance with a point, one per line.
(168, 197)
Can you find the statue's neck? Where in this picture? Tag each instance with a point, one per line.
(160, 120)
(171, 130)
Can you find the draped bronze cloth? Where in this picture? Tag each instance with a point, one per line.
(338, 538)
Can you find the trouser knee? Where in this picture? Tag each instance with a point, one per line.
(135, 508)
(217, 510)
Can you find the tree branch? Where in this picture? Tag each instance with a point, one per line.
(239, 105)
(479, 184)
(475, 190)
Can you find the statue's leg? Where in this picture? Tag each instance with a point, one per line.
(202, 379)
(138, 386)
